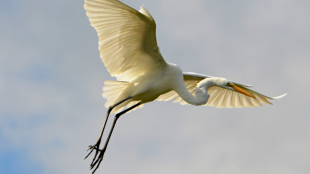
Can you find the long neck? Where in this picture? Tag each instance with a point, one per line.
(201, 96)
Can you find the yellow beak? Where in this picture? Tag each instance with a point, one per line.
(240, 90)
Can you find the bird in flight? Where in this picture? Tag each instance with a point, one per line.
(128, 48)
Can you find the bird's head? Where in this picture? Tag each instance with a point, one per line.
(202, 87)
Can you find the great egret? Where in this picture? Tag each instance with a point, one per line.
(128, 48)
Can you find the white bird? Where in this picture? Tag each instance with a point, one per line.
(128, 48)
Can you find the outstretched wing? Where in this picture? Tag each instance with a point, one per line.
(226, 98)
(220, 97)
(127, 38)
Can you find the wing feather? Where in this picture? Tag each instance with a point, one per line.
(127, 38)
(213, 96)
(168, 96)
(219, 97)
(247, 102)
(226, 100)
(233, 99)
(241, 100)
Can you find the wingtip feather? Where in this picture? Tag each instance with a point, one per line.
(144, 11)
(279, 97)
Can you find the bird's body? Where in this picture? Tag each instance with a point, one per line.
(148, 87)
(128, 48)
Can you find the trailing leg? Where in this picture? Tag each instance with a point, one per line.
(97, 162)
(97, 144)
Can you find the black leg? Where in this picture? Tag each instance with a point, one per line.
(97, 144)
(100, 157)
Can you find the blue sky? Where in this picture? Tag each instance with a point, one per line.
(51, 80)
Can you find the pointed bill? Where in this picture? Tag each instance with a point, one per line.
(236, 88)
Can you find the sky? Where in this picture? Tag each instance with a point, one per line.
(51, 80)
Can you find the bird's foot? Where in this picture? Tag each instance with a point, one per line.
(98, 155)
(97, 160)
(92, 147)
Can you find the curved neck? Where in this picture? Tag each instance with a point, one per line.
(201, 97)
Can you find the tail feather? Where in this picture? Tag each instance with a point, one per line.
(115, 91)
(112, 90)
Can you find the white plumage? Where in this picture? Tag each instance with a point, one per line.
(127, 38)
(129, 50)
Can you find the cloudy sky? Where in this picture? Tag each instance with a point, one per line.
(51, 80)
